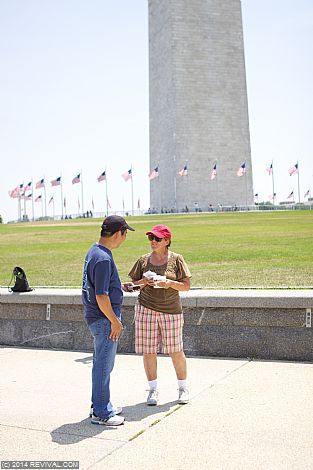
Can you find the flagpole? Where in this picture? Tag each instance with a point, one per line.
(187, 181)
(160, 194)
(273, 187)
(216, 184)
(61, 196)
(44, 187)
(246, 184)
(24, 215)
(81, 182)
(106, 192)
(41, 206)
(298, 181)
(132, 190)
(19, 207)
(53, 207)
(175, 188)
(33, 200)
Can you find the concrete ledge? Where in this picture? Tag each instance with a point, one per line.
(264, 324)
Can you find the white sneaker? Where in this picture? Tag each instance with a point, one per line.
(183, 396)
(152, 399)
(113, 421)
(117, 410)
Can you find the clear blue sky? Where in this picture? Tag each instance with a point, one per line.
(74, 96)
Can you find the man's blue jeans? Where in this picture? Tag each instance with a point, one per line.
(103, 362)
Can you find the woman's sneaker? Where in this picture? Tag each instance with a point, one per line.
(113, 421)
(152, 399)
(183, 396)
(117, 410)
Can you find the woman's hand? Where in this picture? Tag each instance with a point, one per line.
(148, 282)
(164, 284)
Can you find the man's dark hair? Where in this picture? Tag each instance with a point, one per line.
(106, 234)
(113, 224)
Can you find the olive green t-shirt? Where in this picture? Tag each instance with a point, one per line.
(161, 300)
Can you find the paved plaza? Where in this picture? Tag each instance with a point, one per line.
(242, 414)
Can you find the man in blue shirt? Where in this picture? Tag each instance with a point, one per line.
(102, 298)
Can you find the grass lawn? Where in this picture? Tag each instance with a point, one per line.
(224, 250)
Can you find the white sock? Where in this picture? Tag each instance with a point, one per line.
(153, 384)
(182, 384)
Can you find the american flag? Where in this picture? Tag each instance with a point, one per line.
(15, 192)
(271, 197)
(183, 171)
(307, 193)
(242, 169)
(40, 184)
(293, 170)
(213, 173)
(270, 169)
(290, 195)
(154, 173)
(56, 182)
(28, 186)
(28, 197)
(256, 195)
(102, 177)
(76, 179)
(127, 175)
(38, 198)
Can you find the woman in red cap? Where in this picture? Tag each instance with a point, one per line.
(158, 314)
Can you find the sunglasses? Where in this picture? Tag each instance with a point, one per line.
(153, 237)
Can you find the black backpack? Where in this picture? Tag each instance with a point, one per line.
(21, 283)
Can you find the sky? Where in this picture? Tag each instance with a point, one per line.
(74, 98)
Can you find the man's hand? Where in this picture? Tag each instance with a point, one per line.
(116, 329)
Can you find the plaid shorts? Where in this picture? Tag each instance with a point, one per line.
(157, 331)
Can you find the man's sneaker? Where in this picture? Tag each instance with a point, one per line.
(183, 396)
(113, 421)
(117, 410)
(152, 399)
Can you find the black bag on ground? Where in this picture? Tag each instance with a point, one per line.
(21, 283)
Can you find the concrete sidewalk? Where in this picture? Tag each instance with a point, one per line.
(242, 414)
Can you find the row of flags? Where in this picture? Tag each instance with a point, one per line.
(290, 196)
(292, 171)
(20, 191)
(184, 171)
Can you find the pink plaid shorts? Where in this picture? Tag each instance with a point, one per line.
(157, 331)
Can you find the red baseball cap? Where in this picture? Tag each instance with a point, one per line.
(161, 231)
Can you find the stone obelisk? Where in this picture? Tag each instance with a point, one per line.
(198, 104)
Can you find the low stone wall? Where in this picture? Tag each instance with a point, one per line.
(264, 324)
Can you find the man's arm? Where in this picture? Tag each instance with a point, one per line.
(106, 308)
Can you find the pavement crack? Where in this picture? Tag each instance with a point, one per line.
(224, 377)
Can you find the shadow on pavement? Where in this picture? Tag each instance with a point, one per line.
(71, 433)
(141, 410)
(84, 360)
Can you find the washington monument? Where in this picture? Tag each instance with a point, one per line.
(198, 105)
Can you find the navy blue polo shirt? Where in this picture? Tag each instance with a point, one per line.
(100, 278)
